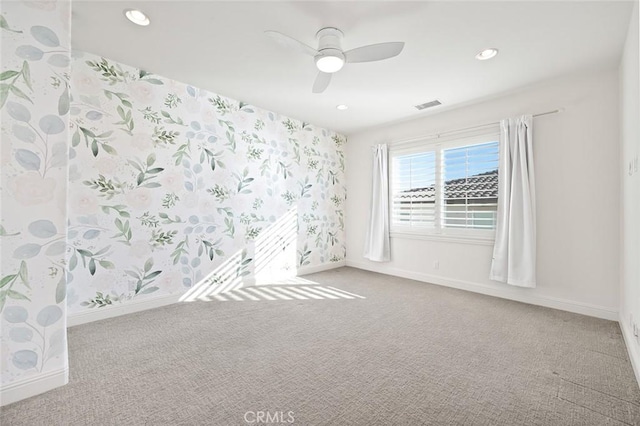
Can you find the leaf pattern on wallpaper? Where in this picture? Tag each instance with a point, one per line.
(44, 345)
(58, 57)
(7, 285)
(192, 183)
(34, 104)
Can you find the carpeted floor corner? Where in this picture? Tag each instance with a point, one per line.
(402, 353)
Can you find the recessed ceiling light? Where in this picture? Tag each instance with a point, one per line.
(342, 107)
(487, 54)
(137, 17)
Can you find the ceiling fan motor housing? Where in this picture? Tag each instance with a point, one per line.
(329, 47)
(329, 38)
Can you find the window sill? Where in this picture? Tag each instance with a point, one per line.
(460, 239)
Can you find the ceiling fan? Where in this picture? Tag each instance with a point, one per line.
(330, 57)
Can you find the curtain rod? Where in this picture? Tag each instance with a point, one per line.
(438, 135)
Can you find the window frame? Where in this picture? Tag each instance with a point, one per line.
(438, 144)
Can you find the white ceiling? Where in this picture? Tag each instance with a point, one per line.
(220, 46)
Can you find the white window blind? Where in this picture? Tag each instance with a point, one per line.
(413, 189)
(470, 176)
(446, 187)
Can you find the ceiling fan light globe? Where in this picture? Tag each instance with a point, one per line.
(330, 60)
(329, 64)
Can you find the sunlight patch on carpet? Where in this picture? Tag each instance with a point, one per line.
(282, 292)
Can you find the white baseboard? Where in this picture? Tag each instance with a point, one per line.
(96, 314)
(632, 346)
(32, 386)
(305, 270)
(546, 301)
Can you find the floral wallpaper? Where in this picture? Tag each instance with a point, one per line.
(34, 112)
(172, 187)
(119, 185)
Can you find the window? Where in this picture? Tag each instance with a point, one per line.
(448, 187)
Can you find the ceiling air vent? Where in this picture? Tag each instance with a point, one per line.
(428, 104)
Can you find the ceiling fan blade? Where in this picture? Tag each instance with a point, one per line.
(374, 52)
(291, 43)
(322, 82)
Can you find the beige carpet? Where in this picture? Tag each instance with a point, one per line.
(407, 353)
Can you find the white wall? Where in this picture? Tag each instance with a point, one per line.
(578, 207)
(630, 184)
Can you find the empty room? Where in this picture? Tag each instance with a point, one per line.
(319, 212)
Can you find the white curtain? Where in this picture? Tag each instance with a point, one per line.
(377, 243)
(514, 253)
